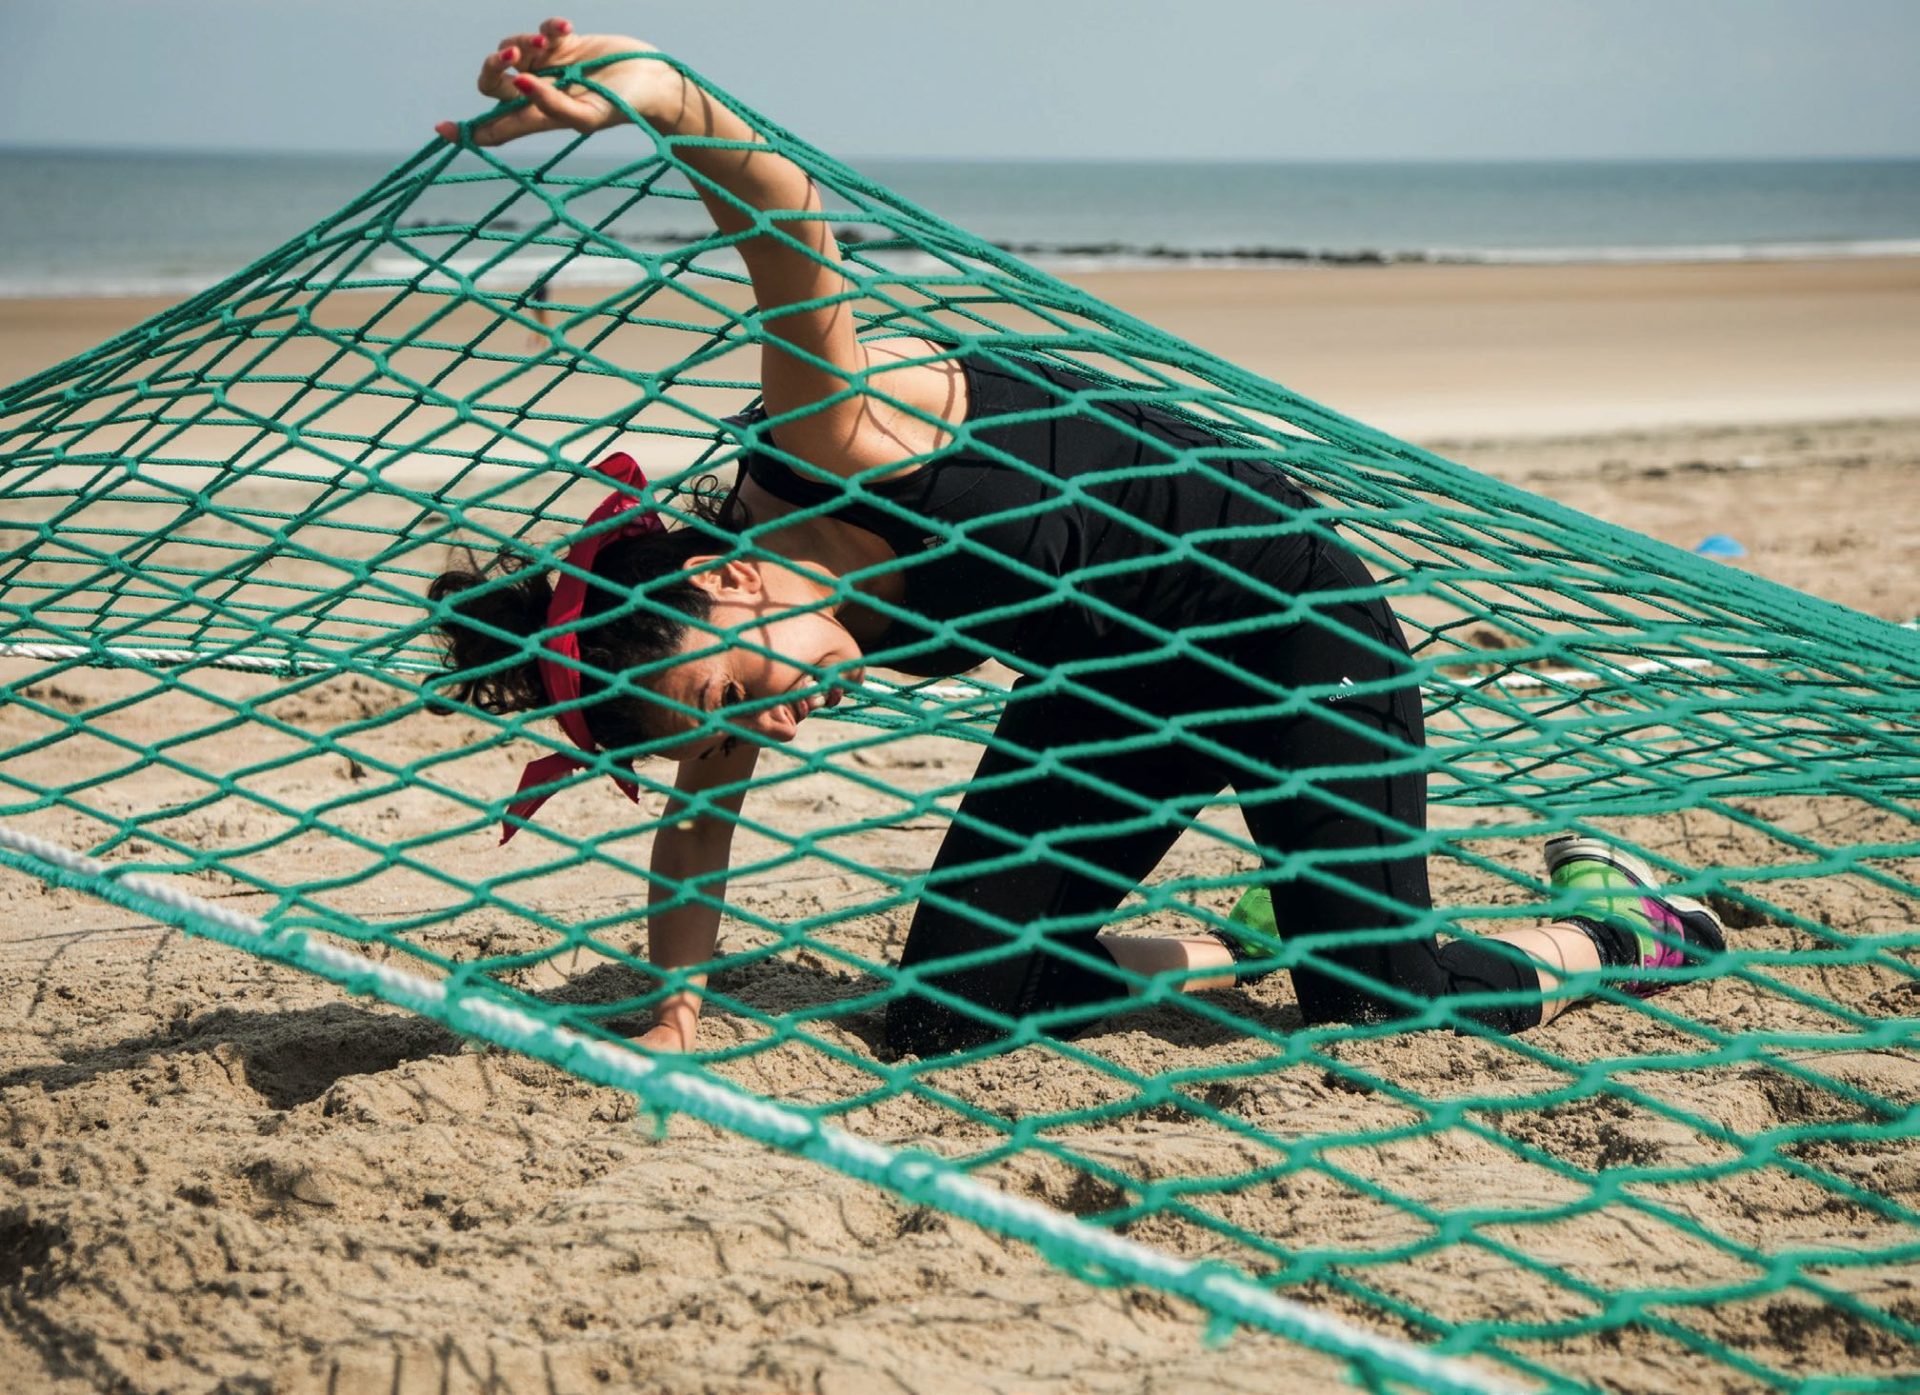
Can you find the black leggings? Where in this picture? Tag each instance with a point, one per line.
(1077, 800)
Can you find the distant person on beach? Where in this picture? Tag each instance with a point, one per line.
(1041, 837)
(539, 299)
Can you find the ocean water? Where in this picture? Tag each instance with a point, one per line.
(106, 223)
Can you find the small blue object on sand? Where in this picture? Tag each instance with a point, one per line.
(1721, 546)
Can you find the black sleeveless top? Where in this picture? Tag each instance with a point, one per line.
(1037, 489)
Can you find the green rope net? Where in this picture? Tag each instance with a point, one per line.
(235, 509)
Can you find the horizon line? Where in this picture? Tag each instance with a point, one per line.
(366, 153)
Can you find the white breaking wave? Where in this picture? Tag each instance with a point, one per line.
(517, 272)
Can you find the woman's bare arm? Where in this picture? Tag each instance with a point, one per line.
(812, 353)
(692, 850)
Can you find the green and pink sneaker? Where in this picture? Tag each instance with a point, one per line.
(1252, 912)
(1632, 922)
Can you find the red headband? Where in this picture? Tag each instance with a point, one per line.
(569, 603)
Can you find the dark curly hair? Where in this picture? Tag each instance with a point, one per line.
(632, 638)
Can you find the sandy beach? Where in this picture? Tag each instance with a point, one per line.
(220, 1175)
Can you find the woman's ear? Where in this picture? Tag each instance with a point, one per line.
(726, 578)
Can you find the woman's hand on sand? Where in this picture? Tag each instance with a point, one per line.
(664, 1036)
(676, 1022)
(641, 83)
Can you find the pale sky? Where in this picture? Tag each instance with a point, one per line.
(1224, 79)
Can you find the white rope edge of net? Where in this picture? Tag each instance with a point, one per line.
(1224, 1292)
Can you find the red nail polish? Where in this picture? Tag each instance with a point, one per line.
(539, 40)
(507, 55)
(524, 83)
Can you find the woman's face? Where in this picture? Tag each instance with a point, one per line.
(767, 675)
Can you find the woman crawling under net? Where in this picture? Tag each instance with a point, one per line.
(926, 507)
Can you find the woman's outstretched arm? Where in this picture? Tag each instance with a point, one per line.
(692, 851)
(812, 352)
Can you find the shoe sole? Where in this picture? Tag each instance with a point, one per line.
(1572, 848)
